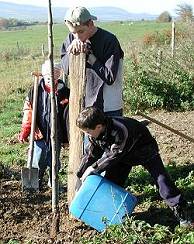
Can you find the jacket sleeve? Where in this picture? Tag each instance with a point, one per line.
(109, 159)
(26, 120)
(92, 154)
(115, 154)
(65, 54)
(107, 70)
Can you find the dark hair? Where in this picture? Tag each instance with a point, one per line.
(90, 117)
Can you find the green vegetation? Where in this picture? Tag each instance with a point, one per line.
(34, 36)
(156, 81)
(136, 231)
(133, 31)
(142, 227)
(153, 80)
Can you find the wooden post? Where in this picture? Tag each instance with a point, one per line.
(173, 40)
(18, 47)
(55, 190)
(77, 88)
(158, 62)
(166, 126)
(43, 52)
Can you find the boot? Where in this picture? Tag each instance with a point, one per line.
(145, 122)
(183, 215)
(40, 179)
(49, 184)
(40, 184)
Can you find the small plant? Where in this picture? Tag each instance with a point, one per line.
(13, 242)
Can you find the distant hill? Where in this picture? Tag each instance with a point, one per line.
(35, 13)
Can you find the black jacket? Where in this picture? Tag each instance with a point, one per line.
(122, 139)
(104, 77)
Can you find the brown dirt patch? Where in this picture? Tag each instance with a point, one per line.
(26, 217)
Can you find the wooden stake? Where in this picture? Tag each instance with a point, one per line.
(76, 103)
(55, 190)
(43, 52)
(158, 62)
(166, 126)
(173, 40)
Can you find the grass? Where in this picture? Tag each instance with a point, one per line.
(33, 37)
(21, 51)
(11, 152)
(153, 221)
(134, 31)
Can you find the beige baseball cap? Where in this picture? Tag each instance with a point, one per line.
(78, 16)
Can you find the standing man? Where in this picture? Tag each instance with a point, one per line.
(104, 60)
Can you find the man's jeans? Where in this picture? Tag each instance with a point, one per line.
(114, 113)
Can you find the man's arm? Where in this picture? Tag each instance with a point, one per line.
(92, 154)
(65, 53)
(113, 156)
(108, 159)
(26, 121)
(108, 69)
(105, 162)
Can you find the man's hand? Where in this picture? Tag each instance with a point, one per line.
(77, 47)
(22, 138)
(88, 171)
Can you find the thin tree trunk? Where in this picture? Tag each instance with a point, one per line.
(76, 103)
(55, 191)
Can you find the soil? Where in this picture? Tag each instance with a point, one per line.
(28, 216)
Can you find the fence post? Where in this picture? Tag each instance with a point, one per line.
(77, 88)
(158, 61)
(43, 52)
(173, 40)
(18, 47)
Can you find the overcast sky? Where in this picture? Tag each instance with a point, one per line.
(133, 6)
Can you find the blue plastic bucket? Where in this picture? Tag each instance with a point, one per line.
(100, 203)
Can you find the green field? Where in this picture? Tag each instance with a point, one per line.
(21, 50)
(33, 37)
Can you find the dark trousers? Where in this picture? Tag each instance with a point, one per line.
(114, 113)
(150, 159)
